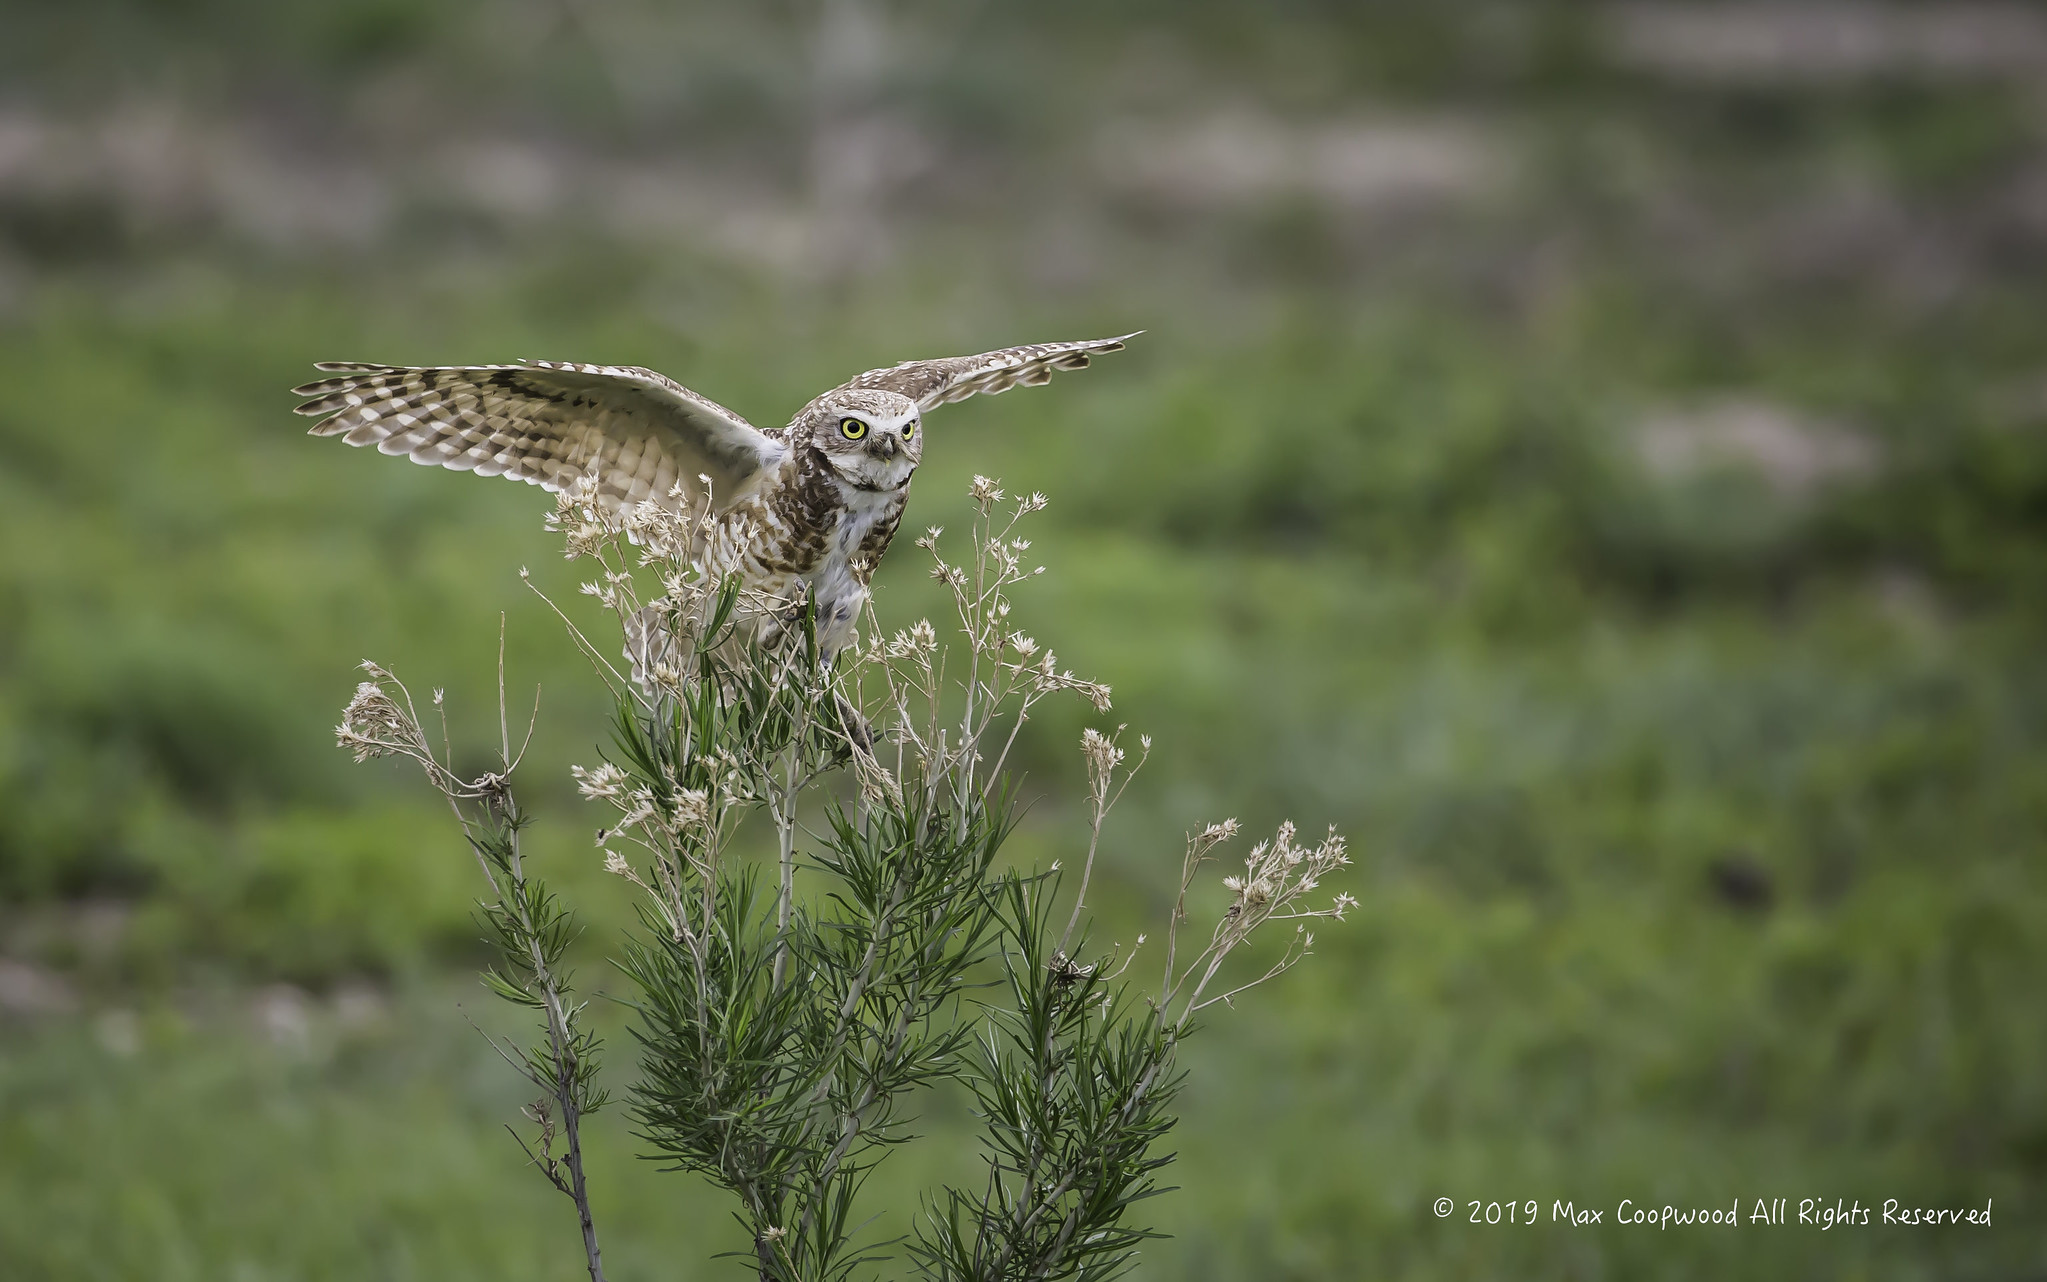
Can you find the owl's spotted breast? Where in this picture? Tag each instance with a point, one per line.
(808, 532)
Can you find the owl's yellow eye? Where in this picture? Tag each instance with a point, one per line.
(909, 430)
(852, 428)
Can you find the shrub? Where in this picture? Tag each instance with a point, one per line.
(787, 1011)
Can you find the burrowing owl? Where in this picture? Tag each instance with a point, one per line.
(805, 510)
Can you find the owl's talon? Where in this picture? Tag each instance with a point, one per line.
(859, 731)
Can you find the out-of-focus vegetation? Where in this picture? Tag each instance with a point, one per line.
(1595, 455)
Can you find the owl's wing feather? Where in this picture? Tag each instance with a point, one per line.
(955, 378)
(547, 423)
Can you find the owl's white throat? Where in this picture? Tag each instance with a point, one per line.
(864, 474)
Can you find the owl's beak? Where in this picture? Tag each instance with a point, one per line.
(887, 446)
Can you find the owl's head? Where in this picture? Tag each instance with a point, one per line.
(872, 439)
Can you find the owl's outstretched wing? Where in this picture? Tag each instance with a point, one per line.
(955, 378)
(547, 423)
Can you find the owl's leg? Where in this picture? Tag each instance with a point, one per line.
(858, 729)
(774, 627)
(835, 620)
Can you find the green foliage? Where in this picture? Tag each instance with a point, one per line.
(776, 1039)
(307, 896)
(1074, 1081)
(785, 1090)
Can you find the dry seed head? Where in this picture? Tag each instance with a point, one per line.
(921, 639)
(606, 782)
(692, 808)
(566, 500)
(638, 806)
(376, 725)
(1103, 756)
(1045, 677)
(585, 539)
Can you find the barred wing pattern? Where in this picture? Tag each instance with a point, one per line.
(955, 378)
(546, 423)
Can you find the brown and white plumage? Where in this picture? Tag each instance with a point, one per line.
(805, 509)
(955, 378)
(545, 422)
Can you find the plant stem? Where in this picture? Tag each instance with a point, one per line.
(785, 895)
(1087, 872)
(562, 1056)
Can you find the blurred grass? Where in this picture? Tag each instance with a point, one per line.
(1700, 807)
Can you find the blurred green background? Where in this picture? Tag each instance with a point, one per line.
(1596, 455)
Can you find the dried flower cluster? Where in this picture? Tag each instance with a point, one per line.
(1278, 877)
(378, 724)
(1004, 676)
